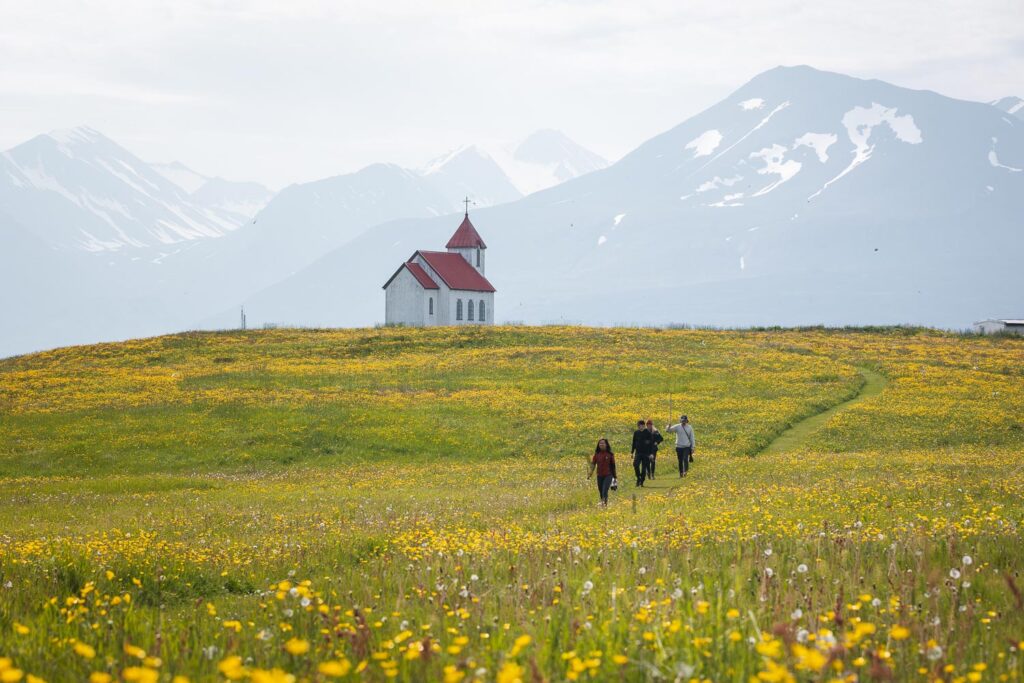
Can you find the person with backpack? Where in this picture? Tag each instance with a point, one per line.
(643, 444)
(604, 462)
(685, 443)
(657, 438)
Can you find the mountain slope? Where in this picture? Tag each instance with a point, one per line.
(804, 197)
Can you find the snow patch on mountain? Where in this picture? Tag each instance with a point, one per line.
(775, 163)
(860, 122)
(993, 159)
(819, 142)
(729, 200)
(718, 182)
(705, 143)
(752, 103)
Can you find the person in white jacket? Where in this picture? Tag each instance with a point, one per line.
(685, 443)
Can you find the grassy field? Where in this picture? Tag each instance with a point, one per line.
(413, 505)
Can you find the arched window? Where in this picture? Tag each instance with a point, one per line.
(483, 318)
(431, 305)
(458, 309)
(470, 309)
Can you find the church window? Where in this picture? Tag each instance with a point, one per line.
(431, 305)
(481, 311)
(458, 309)
(470, 309)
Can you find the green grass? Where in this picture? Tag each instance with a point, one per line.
(388, 467)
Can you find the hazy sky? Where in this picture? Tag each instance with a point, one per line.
(283, 91)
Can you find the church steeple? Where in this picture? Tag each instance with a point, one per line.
(467, 242)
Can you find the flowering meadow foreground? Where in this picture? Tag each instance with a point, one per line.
(412, 505)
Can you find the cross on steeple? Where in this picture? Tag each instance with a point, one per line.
(466, 202)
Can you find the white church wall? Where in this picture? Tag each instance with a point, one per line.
(404, 300)
(476, 297)
(441, 316)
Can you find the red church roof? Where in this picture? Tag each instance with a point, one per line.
(455, 270)
(421, 276)
(466, 237)
(417, 272)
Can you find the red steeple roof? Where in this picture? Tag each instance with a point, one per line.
(466, 237)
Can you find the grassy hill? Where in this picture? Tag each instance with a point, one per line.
(413, 504)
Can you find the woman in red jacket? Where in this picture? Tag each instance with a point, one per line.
(604, 462)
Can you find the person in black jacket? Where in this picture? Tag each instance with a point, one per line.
(657, 438)
(643, 445)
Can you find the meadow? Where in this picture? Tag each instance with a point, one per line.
(412, 505)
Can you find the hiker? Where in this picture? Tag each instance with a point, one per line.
(604, 462)
(657, 438)
(685, 443)
(643, 440)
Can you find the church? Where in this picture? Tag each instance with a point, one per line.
(442, 287)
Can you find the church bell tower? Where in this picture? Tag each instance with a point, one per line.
(467, 243)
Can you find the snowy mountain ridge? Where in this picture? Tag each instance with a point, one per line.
(78, 189)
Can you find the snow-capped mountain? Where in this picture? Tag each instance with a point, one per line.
(1011, 105)
(548, 158)
(242, 200)
(804, 197)
(78, 189)
(181, 175)
(469, 171)
(544, 159)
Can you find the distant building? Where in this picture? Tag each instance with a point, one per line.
(443, 287)
(1011, 325)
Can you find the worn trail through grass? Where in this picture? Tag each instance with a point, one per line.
(801, 433)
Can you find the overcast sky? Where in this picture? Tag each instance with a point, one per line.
(285, 91)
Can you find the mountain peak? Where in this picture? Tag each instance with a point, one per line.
(76, 135)
(1011, 105)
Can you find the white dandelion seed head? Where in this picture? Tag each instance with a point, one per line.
(934, 653)
(967, 560)
(769, 572)
(796, 614)
(305, 602)
(588, 586)
(677, 593)
(642, 570)
(801, 635)
(801, 568)
(876, 602)
(768, 552)
(954, 573)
